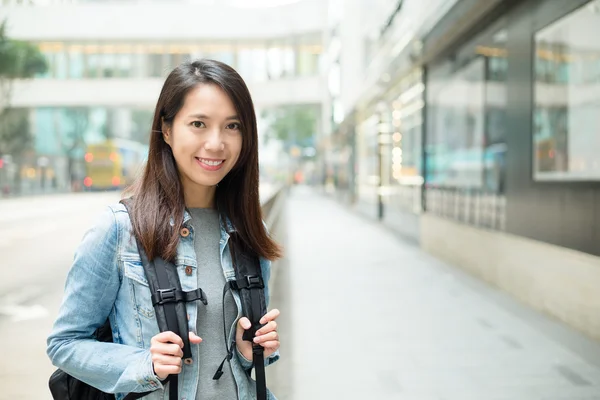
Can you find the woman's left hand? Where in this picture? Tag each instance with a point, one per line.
(266, 336)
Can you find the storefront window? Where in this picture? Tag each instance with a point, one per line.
(566, 112)
(407, 122)
(466, 124)
(456, 125)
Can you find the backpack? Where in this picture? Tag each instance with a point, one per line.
(168, 300)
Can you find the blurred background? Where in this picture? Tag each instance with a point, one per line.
(431, 167)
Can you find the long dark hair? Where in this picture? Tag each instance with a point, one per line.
(158, 194)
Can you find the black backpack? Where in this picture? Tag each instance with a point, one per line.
(168, 300)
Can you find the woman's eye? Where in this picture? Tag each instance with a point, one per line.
(234, 126)
(197, 124)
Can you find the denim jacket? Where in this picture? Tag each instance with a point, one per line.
(107, 280)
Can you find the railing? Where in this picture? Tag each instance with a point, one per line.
(273, 208)
(476, 208)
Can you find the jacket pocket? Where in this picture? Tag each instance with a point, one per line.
(134, 272)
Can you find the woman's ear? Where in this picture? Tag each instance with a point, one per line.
(166, 131)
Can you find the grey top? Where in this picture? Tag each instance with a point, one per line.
(207, 236)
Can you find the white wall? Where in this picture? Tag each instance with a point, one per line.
(352, 53)
(144, 92)
(113, 21)
(552, 279)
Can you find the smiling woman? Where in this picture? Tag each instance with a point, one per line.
(197, 206)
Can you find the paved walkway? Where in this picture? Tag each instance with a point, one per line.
(367, 316)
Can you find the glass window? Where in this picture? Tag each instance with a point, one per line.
(155, 65)
(407, 119)
(109, 65)
(94, 65)
(566, 113)
(466, 117)
(60, 65)
(456, 125)
(221, 52)
(309, 52)
(50, 61)
(76, 65)
(275, 54)
(252, 63)
(124, 65)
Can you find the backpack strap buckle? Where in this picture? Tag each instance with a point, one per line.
(254, 281)
(163, 296)
(248, 282)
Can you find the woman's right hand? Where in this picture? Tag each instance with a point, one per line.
(166, 349)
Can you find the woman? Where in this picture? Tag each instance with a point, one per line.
(200, 180)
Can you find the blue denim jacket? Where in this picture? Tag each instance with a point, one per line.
(107, 280)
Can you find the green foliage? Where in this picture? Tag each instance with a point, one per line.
(15, 135)
(18, 60)
(293, 125)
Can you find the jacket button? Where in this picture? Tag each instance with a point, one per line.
(188, 361)
(185, 232)
(188, 270)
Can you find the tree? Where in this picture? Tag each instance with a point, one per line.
(293, 125)
(15, 136)
(18, 60)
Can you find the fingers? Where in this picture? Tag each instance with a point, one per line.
(271, 326)
(168, 349)
(195, 339)
(165, 361)
(272, 345)
(244, 323)
(165, 365)
(271, 336)
(270, 316)
(167, 337)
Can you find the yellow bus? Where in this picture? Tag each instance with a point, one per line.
(113, 164)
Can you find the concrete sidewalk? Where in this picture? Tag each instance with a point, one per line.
(367, 316)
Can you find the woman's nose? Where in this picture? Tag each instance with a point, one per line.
(214, 141)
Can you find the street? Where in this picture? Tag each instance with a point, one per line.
(38, 236)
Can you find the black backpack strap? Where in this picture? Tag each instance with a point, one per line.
(168, 300)
(250, 284)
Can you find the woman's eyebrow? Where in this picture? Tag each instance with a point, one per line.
(204, 116)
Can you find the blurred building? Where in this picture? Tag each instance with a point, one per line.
(108, 60)
(475, 134)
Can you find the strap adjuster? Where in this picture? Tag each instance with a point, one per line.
(248, 282)
(166, 296)
(254, 281)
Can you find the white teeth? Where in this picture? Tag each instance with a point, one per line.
(211, 163)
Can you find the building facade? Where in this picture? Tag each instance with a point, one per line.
(107, 61)
(476, 139)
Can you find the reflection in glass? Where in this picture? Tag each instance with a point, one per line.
(256, 60)
(466, 117)
(566, 112)
(60, 65)
(252, 63)
(456, 126)
(76, 65)
(94, 65)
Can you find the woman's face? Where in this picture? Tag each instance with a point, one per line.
(205, 138)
